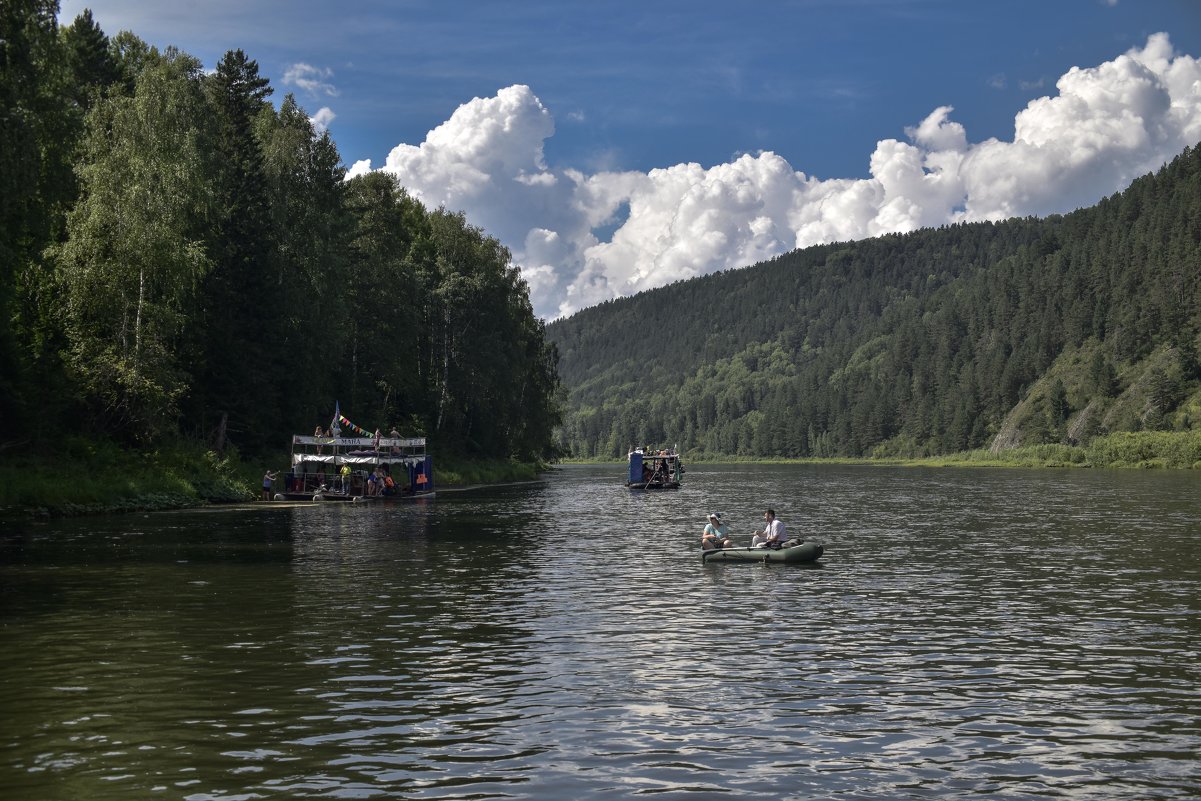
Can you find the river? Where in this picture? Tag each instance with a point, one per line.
(969, 633)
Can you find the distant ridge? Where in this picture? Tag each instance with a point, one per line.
(967, 336)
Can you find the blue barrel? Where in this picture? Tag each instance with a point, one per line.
(635, 468)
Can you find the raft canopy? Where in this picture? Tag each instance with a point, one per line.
(663, 463)
(358, 450)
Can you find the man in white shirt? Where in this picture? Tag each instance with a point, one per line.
(772, 533)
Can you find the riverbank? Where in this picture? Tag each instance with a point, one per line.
(86, 477)
(1171, 450)
(82, 477)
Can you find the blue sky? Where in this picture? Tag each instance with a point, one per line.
(617, 146)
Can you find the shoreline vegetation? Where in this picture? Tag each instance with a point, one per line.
(1169, 450)
(185, 267)
(87, 477)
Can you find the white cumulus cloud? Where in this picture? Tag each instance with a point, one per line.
(584, 238)
(322, 119)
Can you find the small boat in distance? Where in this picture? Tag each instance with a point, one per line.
(654, 470)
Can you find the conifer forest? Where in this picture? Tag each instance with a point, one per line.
(975, 335)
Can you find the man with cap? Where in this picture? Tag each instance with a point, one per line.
(717, 533)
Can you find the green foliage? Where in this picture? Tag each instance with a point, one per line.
(1042, 455)
(89, 58)
(134, 256)
(466, 473)
(1146, 449)
(238, 320)
(1102, 378)
(38, 130)
(971, 336)
(91, 475)
(180, 259)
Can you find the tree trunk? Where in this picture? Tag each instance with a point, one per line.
(219, 446)
(445, 371)
(137, 323)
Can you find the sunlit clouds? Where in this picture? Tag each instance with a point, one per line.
(322, 119)
(584, 238)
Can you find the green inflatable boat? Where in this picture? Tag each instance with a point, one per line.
(793, 555)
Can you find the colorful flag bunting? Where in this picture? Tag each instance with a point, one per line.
(353, 427)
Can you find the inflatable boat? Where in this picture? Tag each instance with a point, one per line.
(789, 555)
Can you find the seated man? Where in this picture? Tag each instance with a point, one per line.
(772, 534)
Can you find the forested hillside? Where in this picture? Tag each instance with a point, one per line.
(969, 336)
(180, 257)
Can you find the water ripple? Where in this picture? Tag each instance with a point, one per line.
(1027, 635)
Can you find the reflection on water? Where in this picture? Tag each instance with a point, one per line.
(968, 633)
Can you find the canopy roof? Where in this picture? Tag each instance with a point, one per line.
(316, 451)
(359, 442)
(357, 458)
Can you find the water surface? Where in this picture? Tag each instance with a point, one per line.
(968, 633)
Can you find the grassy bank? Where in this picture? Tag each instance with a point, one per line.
(468, 472)
(1176, 450)
(95, 477)
(88, 477)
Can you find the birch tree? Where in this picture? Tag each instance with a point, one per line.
(135, 255)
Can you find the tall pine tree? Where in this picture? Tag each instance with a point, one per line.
(35, 144)
(239, 317)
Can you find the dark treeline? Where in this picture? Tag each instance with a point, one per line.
(969, 336)
(179, 257)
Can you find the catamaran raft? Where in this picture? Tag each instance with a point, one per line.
(337, 468)
(654, 470)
